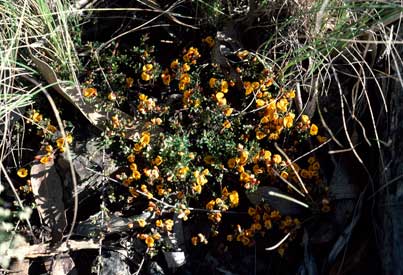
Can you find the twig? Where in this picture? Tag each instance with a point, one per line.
(45, 250)
(140, 266)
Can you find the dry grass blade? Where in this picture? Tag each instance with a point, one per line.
(288, 198)
(277, 245)
(292, 167)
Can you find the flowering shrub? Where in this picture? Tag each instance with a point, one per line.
(206, 139)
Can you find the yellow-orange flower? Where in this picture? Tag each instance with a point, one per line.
(219, 96)
(197, 188)
(183, 171)
(208, 159)
(37, 117)
(202, 238)
(260, 135)
(129, 82)
(274, 136)
(228, 111)
(166, 77)
(243, 158)
(141, 222)
(226, 124)
(174, 64)
(149, 241)
(282, 105)
(248, 87)
(267, 155)
(133, 192)
(224, 192)
(242, 54)
(231, 163)
(314, 130)
(112, 96)
(169, 224)
(143, 97)
(215, 217)
(192, 55)
(147, 67)
(275, 215)
(184, 80)
(260, 103)
(257, 170)
(51, 128)
(212, 82)
(200, 178)
(137, 147)
(311, 160)
(255, 85)
(276, 158)
(186, 67)
(288, 120)
(305, 174)
(234, 198)
(241, 169)
(159, 223)
(267, 224)
(244, 177)
(22, 172)
(48, 148)
(45, 159)
(195, 240)
(133, 166)
(305, 119)
(257, 226)
(90, 92)
(245, 240)
(157, 161)
(156, 121)
(210, 205)
(145, 76)
(136, 175)
(131, 158)
(291, 94)
(251, 211)
(224, 86)
(321, 139)
(209, 40)
(145, 138)
(284, 175)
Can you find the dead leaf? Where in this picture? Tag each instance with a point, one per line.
(47, 188)
(98, 117)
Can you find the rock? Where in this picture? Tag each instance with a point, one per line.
(114, 263)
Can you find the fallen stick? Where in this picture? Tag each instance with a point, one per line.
(44, 250)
